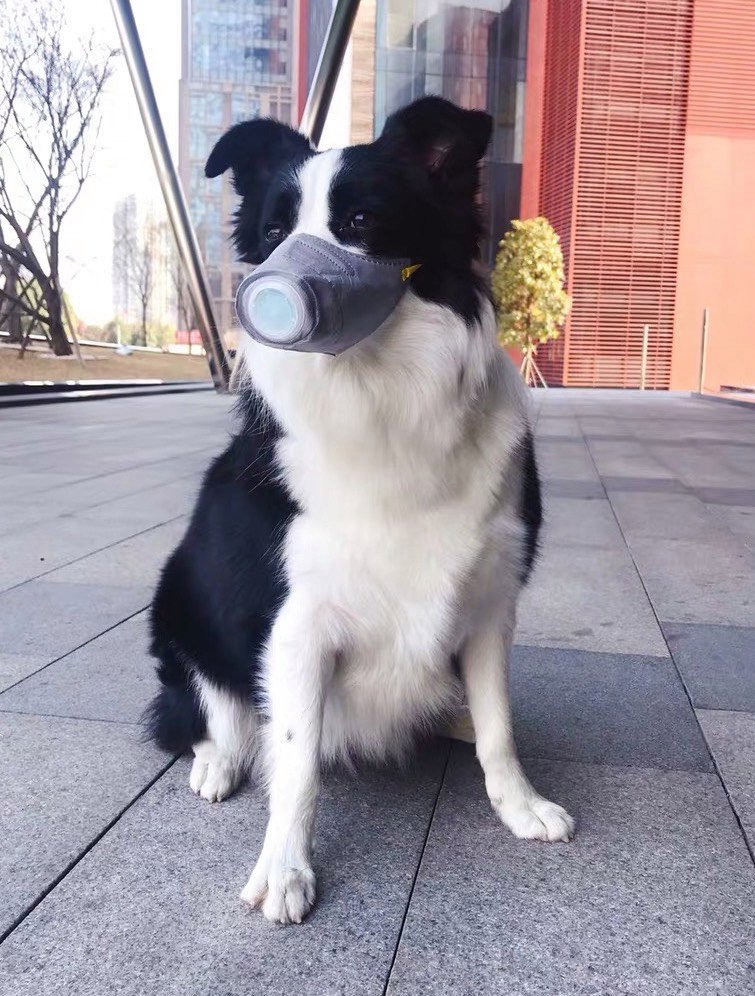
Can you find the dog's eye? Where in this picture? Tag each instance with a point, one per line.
(360, 220)
(274, 233)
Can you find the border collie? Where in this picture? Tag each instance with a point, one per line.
(352, 566)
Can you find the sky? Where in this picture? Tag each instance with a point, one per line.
(123, 164)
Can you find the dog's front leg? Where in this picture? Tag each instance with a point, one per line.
(299, 666)
(484, 665)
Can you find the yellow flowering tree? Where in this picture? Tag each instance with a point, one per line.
(528, 290)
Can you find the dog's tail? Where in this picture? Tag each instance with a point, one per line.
(174, 718)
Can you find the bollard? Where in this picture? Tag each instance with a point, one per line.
(644, 363)
(703, 352)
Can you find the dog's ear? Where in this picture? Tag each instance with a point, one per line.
(446, 140)
(254, 151)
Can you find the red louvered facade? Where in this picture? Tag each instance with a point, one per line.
(633, 109)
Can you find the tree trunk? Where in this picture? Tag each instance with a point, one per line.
(54, 299)
(57, 330)
(10, 313)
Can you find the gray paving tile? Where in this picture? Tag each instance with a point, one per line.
(46, 620)
(135, 561)
(701, 464)
(667, 516)
(716, 662)
(110, 678)
(149, 507)
(17, 483)
(698, 581)
(23, 513)
(154, 909)
(147, 504)
(580, 522)
(557, 487)
(731, 738)
(727, 496)
(739, 519)
(653, 897)
(625, 458)
(649, 484)
(98, 490)
(572, 705)
(570, 460)
(589, 598)
(593, 426)
(14, 667)
(557, 428)
(39, 549)
(69, 780)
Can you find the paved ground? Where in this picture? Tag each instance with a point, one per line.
(634, 682)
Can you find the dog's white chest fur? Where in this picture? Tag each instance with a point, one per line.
(396, 458)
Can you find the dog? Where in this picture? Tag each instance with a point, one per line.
(353, 562)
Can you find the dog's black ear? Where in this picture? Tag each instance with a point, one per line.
(443, 138)
(255, 151)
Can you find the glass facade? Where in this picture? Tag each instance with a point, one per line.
(473, 53)
(241, 59)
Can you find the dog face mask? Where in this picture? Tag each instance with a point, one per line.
(313, 296)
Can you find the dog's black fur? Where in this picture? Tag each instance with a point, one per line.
(220, 588)
(415, 189)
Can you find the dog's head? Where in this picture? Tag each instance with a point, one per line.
(410, 194)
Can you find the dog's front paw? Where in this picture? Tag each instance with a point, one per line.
(213, 775)
(286, 894)
(535, 818)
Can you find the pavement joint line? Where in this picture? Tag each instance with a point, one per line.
(418, 868)
(82, 854)
(684, 685)
(74, 649)
(74, 513)
(121, 470)
(719, 773)
(57, 715)
(91, 553)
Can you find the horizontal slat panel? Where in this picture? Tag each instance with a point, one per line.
(722, 75)
(625, 194)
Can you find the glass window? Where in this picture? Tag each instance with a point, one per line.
(239, 66)
(472, 53)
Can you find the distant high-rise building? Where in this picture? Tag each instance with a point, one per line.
(144, 263)
(240, 59)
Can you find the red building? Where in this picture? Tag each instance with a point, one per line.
(639, 146)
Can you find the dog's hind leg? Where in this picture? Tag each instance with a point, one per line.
(223, 758)
(484, 666)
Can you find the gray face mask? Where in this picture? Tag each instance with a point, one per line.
(314, 296)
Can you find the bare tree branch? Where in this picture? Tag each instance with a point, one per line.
(50, 97)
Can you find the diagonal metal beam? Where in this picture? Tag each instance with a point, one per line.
(175, 202)
(312, 123)
(324, 80)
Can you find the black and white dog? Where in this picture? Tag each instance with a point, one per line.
(353, 563)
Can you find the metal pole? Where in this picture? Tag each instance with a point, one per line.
(703, 352)
(644, 364)
(328, 66)
(175, 202)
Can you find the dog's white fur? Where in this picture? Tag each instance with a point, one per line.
(408, 549)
